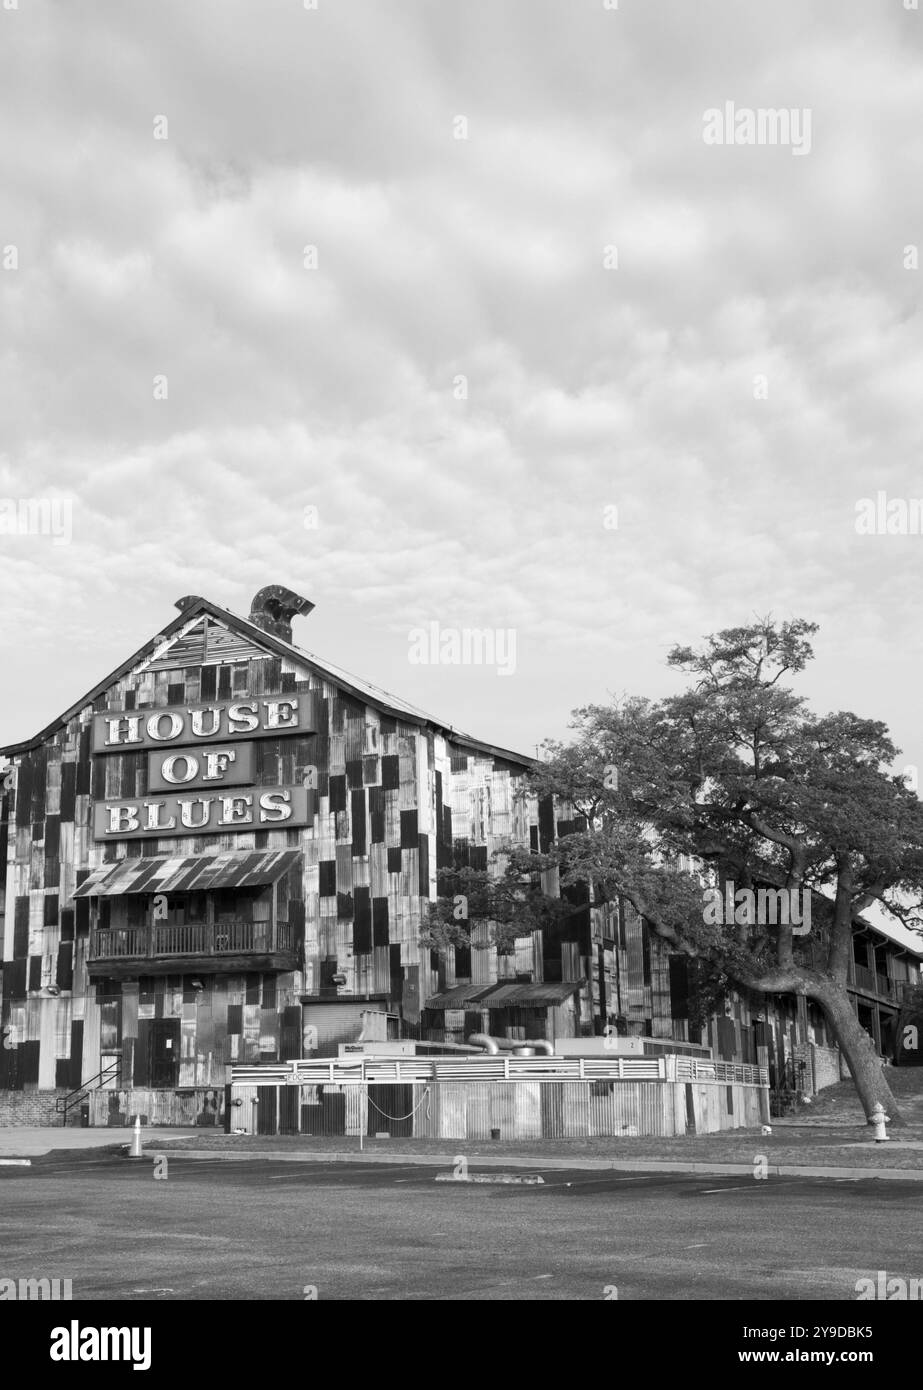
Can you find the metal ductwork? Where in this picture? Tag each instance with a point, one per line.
(495, 1045)
(274, 607)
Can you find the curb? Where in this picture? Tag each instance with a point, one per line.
(531, 1178)
(112, 1143)
(552, 1163)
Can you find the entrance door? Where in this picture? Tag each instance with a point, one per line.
(267, 1110)
(165, 1040)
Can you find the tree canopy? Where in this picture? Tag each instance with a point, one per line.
(736, 780)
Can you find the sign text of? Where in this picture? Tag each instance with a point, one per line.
(190, 768)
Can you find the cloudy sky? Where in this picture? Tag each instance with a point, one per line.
(459, 377)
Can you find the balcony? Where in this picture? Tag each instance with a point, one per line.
(879, 986)
(208, 948)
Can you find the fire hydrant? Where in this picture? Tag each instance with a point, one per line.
(879, 1119)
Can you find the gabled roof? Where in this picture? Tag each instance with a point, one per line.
(195, 606)
(874, 919)
(880, 922)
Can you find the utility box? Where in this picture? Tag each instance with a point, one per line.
(599, 1047)
(404, 1048)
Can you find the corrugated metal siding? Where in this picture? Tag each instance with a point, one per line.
(503, 1110)
(198, 1108)
(552, 1100)
(335, 1023)
(460, 1111)
(527, 1110)
(479, 1111)
(452, 1109)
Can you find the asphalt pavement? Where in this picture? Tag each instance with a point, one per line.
(209, 1229)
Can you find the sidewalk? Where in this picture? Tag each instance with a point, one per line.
(32, 1141)
(835, 1150)
(541, 1163)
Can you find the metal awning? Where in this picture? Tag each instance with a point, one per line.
(189, 874)
(530, 995)
(459, 997)
(499, 996)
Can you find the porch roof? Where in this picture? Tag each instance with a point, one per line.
(189, 874)
(522, 994)
(525, 995)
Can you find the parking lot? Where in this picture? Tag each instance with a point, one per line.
(208, 1228)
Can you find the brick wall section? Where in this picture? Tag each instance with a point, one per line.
(826, 1066)
(32, 1108)
(114, 1109)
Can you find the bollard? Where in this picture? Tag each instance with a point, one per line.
(879, 1119)
(135, 1150)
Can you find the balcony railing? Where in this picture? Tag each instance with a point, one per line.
(226, 938)
(881, 985)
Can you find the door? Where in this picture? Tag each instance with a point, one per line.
(267, 1111)
(390, 1111)
(164, 1045)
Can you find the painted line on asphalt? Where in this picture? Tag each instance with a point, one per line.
(601, 1182)
(337, 1169)
(174, 1159)
(495, 1179)
(300, 1177)
(710, 1191)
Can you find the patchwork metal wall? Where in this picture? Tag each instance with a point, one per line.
(499, 1110)
(395, 801)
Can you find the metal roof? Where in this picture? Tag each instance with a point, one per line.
(530, 994)
(192, 607)
(458, 997)
(499, 996)
(192, 873)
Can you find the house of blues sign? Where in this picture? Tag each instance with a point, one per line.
(201, 769)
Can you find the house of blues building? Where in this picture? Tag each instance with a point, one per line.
(224, 855)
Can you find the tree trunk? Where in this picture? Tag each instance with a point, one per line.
(858, 1049)
(853, 1041)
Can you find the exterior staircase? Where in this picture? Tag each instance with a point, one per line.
(64, 1104)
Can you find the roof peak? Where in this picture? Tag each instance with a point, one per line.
(272, 609)
(192, 605)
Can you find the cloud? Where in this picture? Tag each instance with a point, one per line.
(461, 387)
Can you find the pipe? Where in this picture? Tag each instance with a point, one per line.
(493, 1045)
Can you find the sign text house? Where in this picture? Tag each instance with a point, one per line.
(202, 769)
(176, 726)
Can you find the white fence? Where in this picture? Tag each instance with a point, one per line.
(359, 1071)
